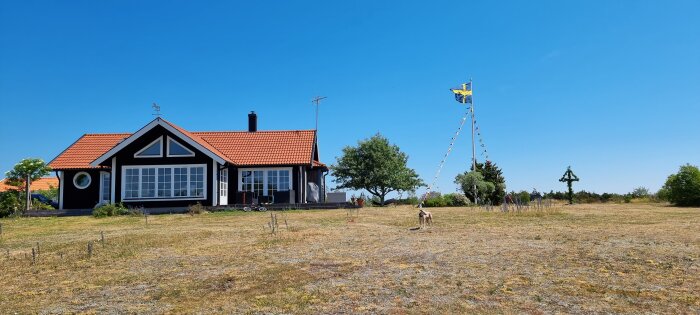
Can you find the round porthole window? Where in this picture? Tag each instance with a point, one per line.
(82, 180)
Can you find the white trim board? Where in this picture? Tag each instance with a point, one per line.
(144, 130)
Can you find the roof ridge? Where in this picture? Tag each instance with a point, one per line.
(253, 132)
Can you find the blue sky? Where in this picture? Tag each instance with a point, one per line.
(608, 87)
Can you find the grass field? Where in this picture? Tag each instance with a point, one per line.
(633, 258)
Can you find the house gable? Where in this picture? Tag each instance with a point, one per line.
(184, 136)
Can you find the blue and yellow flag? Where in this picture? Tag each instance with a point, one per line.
(464, 93)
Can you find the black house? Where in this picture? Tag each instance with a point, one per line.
(162, 165)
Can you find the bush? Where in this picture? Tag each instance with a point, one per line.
(436, 200)
(196, 209)
(456, 200)
(37, 205)
(683, 188)
(9, 203)
(108, 210)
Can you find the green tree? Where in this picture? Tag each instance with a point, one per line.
(493, 174)
(640, 192)
(468, 181)
(28, 168)
(377, 166)
(683, 188)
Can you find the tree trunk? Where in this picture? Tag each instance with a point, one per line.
(28, 194)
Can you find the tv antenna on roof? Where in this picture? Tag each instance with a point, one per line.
(156, 110)
(317, 100)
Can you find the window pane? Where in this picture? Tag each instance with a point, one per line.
(152, 150)
(148, 182)
(196, 181)
(247, 181)
(175, 148)
(271, 182)
(164, 182)
(258, 183)
(180, 181)
(131, 183)
(106, 183)
(283, 181)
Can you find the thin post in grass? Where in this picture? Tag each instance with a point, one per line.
(102, 238)
(38, 251)
(33, 256)
(0, 230)
(145, 215)
(89, 249)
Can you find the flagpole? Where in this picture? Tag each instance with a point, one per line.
(471, 84)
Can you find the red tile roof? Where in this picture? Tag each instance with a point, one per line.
(240, 148)
(85, 150)
(40, 184)
(263, 147)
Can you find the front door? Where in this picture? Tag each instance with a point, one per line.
(223, 187)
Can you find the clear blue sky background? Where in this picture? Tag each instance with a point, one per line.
(608, 87)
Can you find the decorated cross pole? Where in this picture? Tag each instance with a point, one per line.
(463, 95)
(569, 177)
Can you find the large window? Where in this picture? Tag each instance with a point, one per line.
(164, 182)
(265, 182)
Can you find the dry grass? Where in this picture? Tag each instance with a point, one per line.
(581, 259)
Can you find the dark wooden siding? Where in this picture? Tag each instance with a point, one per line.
(75, 198)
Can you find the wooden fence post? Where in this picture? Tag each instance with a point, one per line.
(102, 238)
(33, 256)
(89, 249)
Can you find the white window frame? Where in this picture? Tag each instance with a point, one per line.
(75, 177)
(136, 155)
(168, 154)
(264, 170)
(172, 181)
(102, 187)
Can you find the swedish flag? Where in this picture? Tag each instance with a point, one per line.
(463, 94)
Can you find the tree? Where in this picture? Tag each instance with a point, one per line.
(493, 174)
(376, 166)
(683, 188)
(640, 192)
(470, 180)
(31, 169)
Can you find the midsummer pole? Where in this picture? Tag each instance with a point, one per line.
(471, 85)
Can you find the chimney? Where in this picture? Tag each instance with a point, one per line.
(252, 122)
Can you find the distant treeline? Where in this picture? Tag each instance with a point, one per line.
(591, 197)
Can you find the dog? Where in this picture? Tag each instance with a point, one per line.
(425, 218)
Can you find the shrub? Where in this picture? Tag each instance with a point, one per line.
(37, 205)
(196, 209)
(9, 203)
(456, 200)
(683, 188)
(435, 201)
(108, 210)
